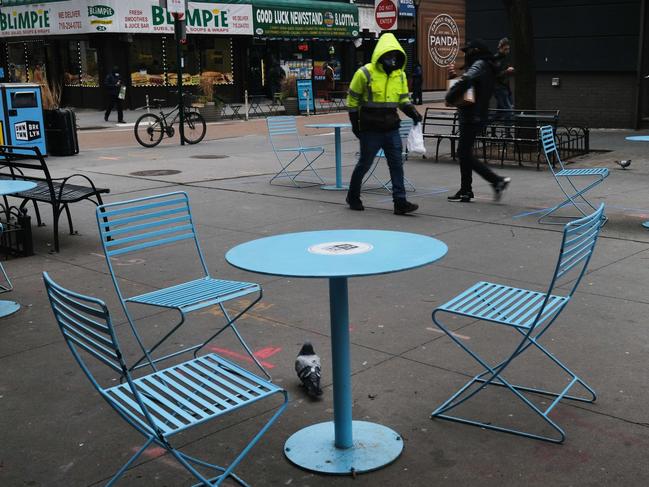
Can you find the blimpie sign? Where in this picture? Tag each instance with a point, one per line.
(141, 16)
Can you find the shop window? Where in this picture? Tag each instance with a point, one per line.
(216, 60)
(72, 65)
(148, 58)
(37, 58)
(89, 65)
(17, 62)
(191, 69)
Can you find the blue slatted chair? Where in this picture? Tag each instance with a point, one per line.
(163, 403)
(530, 314)
(142, 224)
(404, 130)
(294, 158)
(566, 179)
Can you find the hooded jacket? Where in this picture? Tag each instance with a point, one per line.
(375, 95)
(481, 75)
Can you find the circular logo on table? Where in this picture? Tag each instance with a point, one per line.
(341, 248)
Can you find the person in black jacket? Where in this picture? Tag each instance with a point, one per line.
(417, 83)
(480, 74)
(113, 83)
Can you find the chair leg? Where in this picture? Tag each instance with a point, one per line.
(492, 375)
(570, 199)
(284, 172)
(188, 461)
(230, 324)
(121, 471)
(67, 213)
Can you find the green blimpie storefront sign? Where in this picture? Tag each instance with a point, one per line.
(303, 18)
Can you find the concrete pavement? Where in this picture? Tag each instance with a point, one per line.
(57, 431)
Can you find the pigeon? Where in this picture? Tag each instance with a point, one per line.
(307, 366)
(624, 163)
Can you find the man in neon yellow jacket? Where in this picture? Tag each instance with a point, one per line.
(375, 93)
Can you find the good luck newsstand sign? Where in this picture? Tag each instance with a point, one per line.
(303, 20)
(136, 16)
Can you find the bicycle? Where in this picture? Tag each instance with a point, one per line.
(151, 128)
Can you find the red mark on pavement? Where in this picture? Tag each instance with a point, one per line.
(260, 354)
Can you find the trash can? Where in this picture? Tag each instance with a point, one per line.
(21, 116)
(61, 132)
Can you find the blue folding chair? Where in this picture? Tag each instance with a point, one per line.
(530, 313)
(566, 178)
(404, 130)
(144, 223)
(289, 150)
(164, 403)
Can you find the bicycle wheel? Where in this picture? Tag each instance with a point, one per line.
(195, 127)
(149, 130)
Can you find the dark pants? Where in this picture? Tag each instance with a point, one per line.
(114, 101)
(371, 142)
(504, 102)
(417, 95)
(469, 162)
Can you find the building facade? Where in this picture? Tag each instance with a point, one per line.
(591, 56)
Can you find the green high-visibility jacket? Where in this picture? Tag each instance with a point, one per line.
(375, 94)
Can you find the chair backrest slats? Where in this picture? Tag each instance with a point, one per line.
(577, 246)
(144, 226)
(150, 235)
(119, 222)
(282, 132)
(71, 311)
(549, 147)
(137, 207)
(161, 241)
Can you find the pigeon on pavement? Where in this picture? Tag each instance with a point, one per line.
(307, 366)
(624, 163)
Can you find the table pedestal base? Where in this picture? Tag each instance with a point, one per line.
(8, 308)
(332, 187)
(312, 448)
(646, 224)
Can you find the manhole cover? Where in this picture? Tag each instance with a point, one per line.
(209, 156)
(156, 172)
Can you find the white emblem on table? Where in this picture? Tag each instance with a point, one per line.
(341, 248)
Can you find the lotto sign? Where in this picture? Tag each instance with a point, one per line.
(385, 13)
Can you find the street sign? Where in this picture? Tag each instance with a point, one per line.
(177, 7)
(385, 13)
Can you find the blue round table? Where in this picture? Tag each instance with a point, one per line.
(640, 138)
(343, 446)
(339, 152)
(10, 186)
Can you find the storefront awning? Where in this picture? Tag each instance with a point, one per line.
(304, 19)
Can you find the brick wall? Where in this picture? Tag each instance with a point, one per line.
(605, 100)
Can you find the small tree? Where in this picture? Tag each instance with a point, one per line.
(520, 20)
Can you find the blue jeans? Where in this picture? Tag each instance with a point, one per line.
(371, 142)
(504, 102)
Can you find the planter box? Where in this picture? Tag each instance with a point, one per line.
(291, 106)
(211, 113)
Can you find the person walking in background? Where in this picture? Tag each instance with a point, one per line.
(376, 91)
(417, 82)
(480, 74)
(113, 85)
(330, 77)
(502, 90)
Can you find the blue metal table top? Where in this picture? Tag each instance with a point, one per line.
(9, 186)
(638, 138)
(336, 253)
(328, 125)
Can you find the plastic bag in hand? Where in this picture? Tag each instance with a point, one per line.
(415, 141)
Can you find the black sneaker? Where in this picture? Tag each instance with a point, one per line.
(402, 206)
(461, 196)
(500, 187)
(355, 203)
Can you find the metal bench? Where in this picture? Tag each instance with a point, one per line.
(28, 164)
(441, 124)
